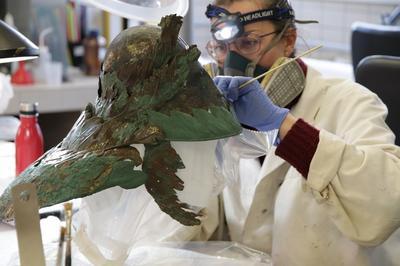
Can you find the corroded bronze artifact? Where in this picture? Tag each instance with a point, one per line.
(151, 91)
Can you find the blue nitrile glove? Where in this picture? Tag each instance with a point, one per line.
(252, 105)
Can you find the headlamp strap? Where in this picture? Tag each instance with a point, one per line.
(216, 11)
(275, 13)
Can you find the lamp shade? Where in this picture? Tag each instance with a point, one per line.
(149, 11)
(14, 46)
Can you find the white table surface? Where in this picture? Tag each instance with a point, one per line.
(8, 243)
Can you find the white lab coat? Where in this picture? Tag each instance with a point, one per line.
(350, 203)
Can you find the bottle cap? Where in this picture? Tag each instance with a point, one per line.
(93, 33)
(28, 108)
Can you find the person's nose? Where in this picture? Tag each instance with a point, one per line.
(232, 47)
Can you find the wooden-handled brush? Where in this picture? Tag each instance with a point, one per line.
(68, 221)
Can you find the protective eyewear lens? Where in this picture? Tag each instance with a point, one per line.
(217, 50)
(247, 44)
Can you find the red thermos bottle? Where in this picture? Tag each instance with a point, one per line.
(29, 139)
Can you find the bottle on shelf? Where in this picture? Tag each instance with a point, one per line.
(29, 139)
(21, 75)
(91, 53)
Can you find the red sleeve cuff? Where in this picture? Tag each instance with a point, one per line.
(299, 146)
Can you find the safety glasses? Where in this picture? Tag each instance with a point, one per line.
(247, 44)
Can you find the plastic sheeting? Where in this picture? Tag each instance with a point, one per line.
(172, 253)
(114, 222)
(249, 144)
(110, 223)
(198, 253)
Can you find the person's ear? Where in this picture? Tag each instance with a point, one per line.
(290, 41)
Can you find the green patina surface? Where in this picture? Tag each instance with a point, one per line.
(161, 163)
(63, 175)
(151, 91)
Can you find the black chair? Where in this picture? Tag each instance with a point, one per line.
(372, 39)
(381, 74)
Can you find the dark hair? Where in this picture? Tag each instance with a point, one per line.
(279, 25)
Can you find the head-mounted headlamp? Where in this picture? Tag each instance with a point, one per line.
(229, 26)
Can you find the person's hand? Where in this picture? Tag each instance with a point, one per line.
(252, 105)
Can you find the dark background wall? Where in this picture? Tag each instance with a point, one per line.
(21, 11)
(3, 9)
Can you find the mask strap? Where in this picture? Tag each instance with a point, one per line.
(251, 67)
